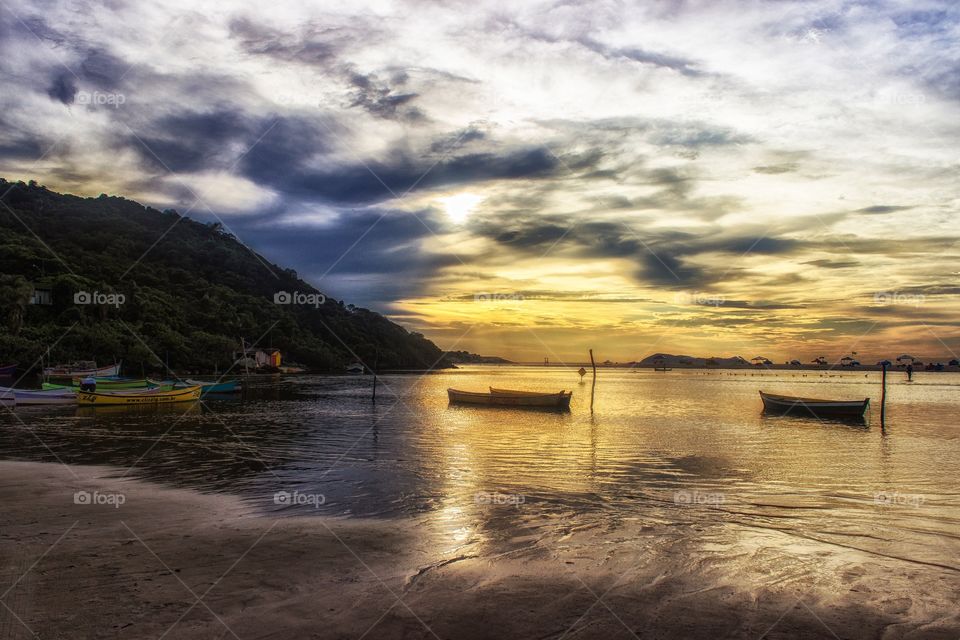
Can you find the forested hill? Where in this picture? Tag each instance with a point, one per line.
(188, 299)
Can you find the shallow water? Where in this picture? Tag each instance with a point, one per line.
(684, 448)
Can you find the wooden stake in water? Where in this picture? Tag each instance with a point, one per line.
(376, 367)
(883, 395)
(593, 387)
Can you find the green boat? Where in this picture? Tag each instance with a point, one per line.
(108, 384)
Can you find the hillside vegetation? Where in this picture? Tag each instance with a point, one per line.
(189, 291)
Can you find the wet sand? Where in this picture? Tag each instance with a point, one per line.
(171, 563)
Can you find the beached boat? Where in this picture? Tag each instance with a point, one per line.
(227, 386)
(814, 406)
(81, 369)
(7, 370)
(34, 396)
(510, 398)
(130, 398)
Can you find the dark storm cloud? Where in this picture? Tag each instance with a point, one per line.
(102, 69)
(310, 47)
(284, 170)
(190, 141)
(63, 88)
(382, 98)
(355, 245)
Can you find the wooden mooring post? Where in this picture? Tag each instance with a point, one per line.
(593, 387)
(376, 367)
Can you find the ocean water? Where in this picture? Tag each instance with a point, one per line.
(686, 449)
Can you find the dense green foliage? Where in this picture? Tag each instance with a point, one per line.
(191, 291)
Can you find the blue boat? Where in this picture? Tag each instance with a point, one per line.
(228, 386)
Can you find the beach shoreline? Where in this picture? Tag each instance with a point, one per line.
(177, 563)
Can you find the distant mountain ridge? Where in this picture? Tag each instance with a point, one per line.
(109, 278)
(670, 360)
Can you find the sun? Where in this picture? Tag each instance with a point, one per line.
(459, 207)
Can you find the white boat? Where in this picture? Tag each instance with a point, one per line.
(33, 396)
(81, 369)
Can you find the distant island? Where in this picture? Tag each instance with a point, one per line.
(671, 361)
(107, 278)
(465, 357)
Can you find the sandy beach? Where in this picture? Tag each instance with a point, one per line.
(170, 563)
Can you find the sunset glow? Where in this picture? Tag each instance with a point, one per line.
(727, 179)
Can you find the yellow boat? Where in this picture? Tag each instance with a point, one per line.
(189, 394)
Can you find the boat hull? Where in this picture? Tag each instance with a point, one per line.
(69, 372)
(507, 398)
(228, 386)
(814, 406)
(30, 396)
(8, 370)
(133, 398)
(106, 385)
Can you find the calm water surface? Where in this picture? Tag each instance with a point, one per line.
(679, 447)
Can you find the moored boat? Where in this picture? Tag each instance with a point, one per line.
(510, 398)
(814, 406)
(106, 384)
(81, 369)
(147, 397)
(34, 396)
(227, 386)
(7, 370)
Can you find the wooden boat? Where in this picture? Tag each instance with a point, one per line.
(8, 370)
(130, 398)
(509, 398)
(814, 406)
(119, 383)
(33, 396)
(106, 384)
(81, 369)
(227, 386)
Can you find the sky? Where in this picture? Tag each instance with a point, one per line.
(534, 179)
